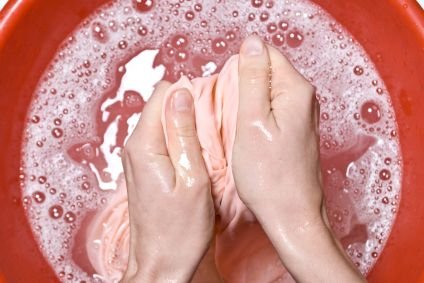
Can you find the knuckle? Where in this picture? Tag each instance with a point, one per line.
(252, 74)
(186, 130)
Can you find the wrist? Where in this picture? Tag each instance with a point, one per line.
(309, 251)
(155, 272)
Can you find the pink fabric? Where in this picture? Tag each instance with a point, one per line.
(243, 252)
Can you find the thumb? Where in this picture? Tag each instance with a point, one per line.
(183, 142)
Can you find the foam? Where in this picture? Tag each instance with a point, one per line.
(85, 78)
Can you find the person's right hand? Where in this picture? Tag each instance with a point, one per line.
(276, 164)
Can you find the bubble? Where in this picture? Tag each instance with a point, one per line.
(57, 132)
(235, 14)
(370, 112)
(374, 254)
(142, 30)
(251, 17)
(269, 4)
(70, 217)
(358, 70)
(42, 179)
(387, 161)
(283, 25)
(99, 32)
(39, 197)
(356, 116)
(122, 44)
(143, 6)
(325, 116)
(35, 119)
(179, 41)
(384, 174)
(189, 15)
(278, 39)
(230, 36)
(264, 16)
(181, 56)
(198, 7)
(56, 211)
(57, 121)
(385, 200)
(219, 45)
(271, 27)
(257, 3)
(294, 39)
(86, 63)
(85, 185)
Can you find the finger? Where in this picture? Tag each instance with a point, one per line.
(148, 135)
(183, 143)
(289, 89)
(254, 80)
(317, 115)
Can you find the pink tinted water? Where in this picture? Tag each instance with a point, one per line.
(93, 92)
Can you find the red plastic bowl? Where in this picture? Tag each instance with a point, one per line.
(392, 32)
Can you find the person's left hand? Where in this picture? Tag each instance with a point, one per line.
(170, 203)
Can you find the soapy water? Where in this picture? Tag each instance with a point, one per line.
(91, 96)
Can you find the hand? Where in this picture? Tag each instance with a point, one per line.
(170, 203)
(276, 164)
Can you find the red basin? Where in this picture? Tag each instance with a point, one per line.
(392, 32)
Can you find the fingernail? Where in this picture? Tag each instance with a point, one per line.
(252, 46)
(182, 101)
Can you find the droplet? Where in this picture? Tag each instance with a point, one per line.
(370, 112)
(385, 200)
